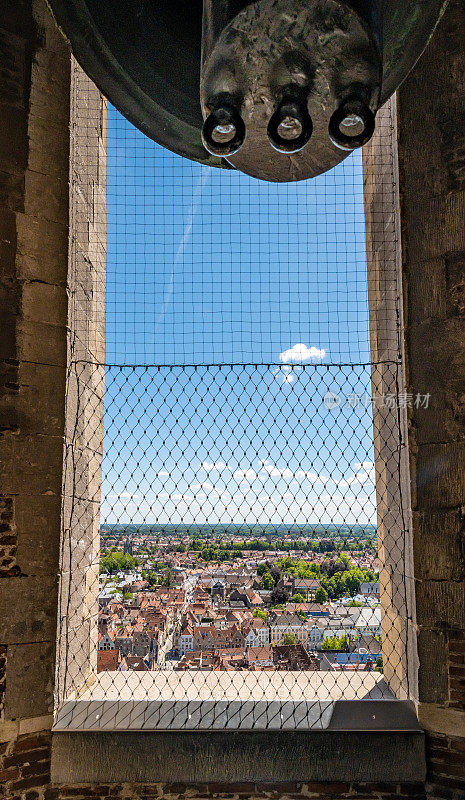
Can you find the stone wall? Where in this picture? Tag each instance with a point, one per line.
(431, 132)
(35, 72)
(45, 328)
(394, 519)
(85, 385)
(25, 765)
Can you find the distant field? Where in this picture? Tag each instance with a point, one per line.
(245, 530)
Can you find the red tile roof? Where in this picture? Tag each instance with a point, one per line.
(107, 660)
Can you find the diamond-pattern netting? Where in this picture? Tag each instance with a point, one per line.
(235, 530)
(239, 550)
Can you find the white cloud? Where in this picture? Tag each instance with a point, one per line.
(217, 506)
(312, 476)
(245, 475)
(265, 500)
(285, 374)
(300, 354)
(217, 466)
(277, 472)
(204, 485)
(162, 474)
(366, 465)
(207, 487)
(273, 471)
(364, 473)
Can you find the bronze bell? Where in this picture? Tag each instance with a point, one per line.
(282, 90)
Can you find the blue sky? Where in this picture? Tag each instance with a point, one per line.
(211, 267)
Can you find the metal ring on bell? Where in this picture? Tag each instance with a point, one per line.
(290, 127)
(352, 124)
(223, 131)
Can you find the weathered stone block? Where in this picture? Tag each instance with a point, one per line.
(50, 160)
(31, 464)
(38, 526)
(15, 67)
(51, 75)
(31, 665)
(41, 343)
(12, 191)
(28, 607)
(442, 365)
(13, 149)
(45, 303)
(433, 227)
(439, 545)
(427, 297)
(34, 397)
(433, 672)
(440, 604)
(455, 279)
(440, 475)
(42, 250)
(8, 243)
(46, 196)
(10, 298)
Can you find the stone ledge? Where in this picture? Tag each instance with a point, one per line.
(204, 716)
(237, 756)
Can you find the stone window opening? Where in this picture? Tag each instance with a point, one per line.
(309, 697)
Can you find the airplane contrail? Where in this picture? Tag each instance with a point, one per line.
(203, 177)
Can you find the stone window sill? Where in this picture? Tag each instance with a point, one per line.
(121, 736)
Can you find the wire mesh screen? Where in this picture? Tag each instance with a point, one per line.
(211, 266)
(235, 547)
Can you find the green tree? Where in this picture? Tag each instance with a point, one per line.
(297, 598)
(333, 643)
(258, 613)
(152, 578)
(351, 580)
(290, 638)
(267, 581)
(321, 595)
(117, 561)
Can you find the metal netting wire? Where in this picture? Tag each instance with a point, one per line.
(228, 494)
(209, 266)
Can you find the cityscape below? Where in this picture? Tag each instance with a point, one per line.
(239, 597)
